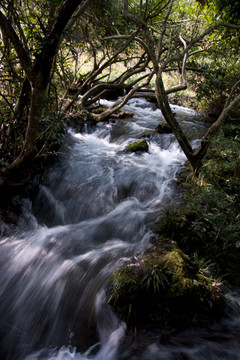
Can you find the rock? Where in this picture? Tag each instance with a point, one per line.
(163, 128)
(140, 145)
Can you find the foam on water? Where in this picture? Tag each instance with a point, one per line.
(94, 211)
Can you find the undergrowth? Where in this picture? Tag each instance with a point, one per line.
(207, 226)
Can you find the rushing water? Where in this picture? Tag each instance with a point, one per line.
(93, 211)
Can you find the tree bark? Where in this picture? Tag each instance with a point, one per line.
(29, 146)
(37, 102)
(163, 104)
(23, 100)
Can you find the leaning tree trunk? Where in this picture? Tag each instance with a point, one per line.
(214, 128)
(170, 119)
(194, 157)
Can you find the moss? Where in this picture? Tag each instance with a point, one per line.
(164, 288)
(140, 145)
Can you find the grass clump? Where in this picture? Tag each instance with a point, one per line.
(164, 288)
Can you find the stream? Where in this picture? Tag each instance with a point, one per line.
(93, 211)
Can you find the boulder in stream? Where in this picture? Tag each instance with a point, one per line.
(137, 146)
(163, 128)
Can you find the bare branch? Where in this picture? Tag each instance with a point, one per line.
(231, 93)
(139, 40)
(159, 10)
(202, 149)
(98, 89)
(141, 24)
(23, 54)
(182, 76)
(119, 104)
(189, 68)
(183, 84)
(198, 39)
(160, 43)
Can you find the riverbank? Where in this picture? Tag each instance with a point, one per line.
(208, 224)
(197, 251)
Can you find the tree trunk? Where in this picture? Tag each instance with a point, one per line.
(214, 128)
(29, 146)
(169, 117)
(37, 102)
(23, 100)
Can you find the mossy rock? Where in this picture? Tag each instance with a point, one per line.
(140, 145)
(164, 288)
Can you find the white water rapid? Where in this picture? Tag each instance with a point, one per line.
(94, 210)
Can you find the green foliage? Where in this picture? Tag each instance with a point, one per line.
(156, 278)
(208, 225)
(232, 130)
(219, 61)
(30, 21)
(228, 10)
(50, 135)
(214, 85)
(112, 11)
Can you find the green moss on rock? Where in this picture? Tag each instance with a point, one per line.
(164, 288)
(140, 145)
